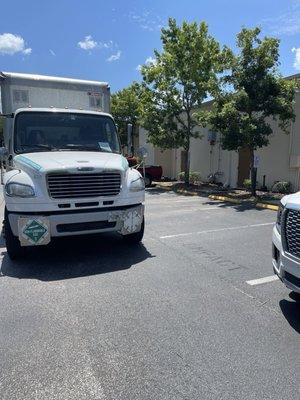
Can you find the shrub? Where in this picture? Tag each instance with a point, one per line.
(282, 187)
(247, 183)
(194, 176)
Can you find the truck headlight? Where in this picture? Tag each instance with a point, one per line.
(137, 185)
(19, 190)
(279, 217)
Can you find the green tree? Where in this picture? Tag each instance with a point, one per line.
(182, 76)
(252, 94)
(125, 108)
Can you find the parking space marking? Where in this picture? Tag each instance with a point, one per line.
(216, 230)
(266, 279)
(171, 210)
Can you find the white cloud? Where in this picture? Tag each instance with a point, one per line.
(287, 23)
(149, 61)
(114, 57)
(297, 57)
(147, 20)
(107, 45)
(88, 43)
(27, 51)
(12, 44)
(52, 52)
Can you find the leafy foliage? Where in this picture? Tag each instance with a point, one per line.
(282, 187)
(125, 108)
(251, 95)
(194, 176)
(183, 75)
(247, 183)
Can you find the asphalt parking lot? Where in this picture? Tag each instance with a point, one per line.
(185, 315)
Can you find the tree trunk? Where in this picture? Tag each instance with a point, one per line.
(253, 174)
(187, 149)
(187, 166)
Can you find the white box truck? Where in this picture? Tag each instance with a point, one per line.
(64, 172)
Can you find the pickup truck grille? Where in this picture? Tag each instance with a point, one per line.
(292, 232)
(68, 186)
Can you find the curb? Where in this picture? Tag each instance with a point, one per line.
(179, 191)
(272, 207)
(224, 198)
(267, 206)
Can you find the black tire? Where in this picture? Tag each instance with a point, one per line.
(148, 180)
(136, 237)
(295, 296)
(14, 249)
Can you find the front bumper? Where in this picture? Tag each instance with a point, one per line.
(285, 266)
(125, 220)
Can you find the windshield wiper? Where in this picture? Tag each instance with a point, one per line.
(75, 146)
(40, 146)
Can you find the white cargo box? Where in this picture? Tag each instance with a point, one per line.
(24, 90)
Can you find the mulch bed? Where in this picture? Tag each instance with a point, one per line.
(207, 189)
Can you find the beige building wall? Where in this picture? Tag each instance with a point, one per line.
(281, 159)
(208, 159)
(278, 161)
(150, 159)
(165, 159)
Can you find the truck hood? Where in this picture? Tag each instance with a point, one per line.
(72, 161)
(292, 201)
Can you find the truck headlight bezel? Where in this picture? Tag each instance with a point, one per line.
(137, 185)
(279, 217)
(15, 189)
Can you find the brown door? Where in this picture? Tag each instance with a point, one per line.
(244, 165)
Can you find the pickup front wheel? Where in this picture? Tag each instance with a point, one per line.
(14, 249)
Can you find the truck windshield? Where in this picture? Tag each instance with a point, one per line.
(50, 131)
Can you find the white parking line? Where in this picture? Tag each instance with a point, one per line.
(185, 210)
(216, 230)
(259, 281)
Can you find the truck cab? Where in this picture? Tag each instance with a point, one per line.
(65, 174)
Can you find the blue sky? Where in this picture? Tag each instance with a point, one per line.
(107, 40)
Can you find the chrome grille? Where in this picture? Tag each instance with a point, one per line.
(292, 232)
(68, 186)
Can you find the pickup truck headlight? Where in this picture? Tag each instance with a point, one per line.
(19, 190)
(137, 185)
(279, 217)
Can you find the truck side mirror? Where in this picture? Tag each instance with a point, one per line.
(129, 139)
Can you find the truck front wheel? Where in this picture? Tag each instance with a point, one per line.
(14, 249)
(148, 180)
(136, 237)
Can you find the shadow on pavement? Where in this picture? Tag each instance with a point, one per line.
(291, 311)
(75, 257)
(237, 207)
(245, 206)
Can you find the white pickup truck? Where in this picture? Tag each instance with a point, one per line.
(286, 243)
(64, 172)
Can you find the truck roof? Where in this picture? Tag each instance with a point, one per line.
(45, 78)
(61, 110)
